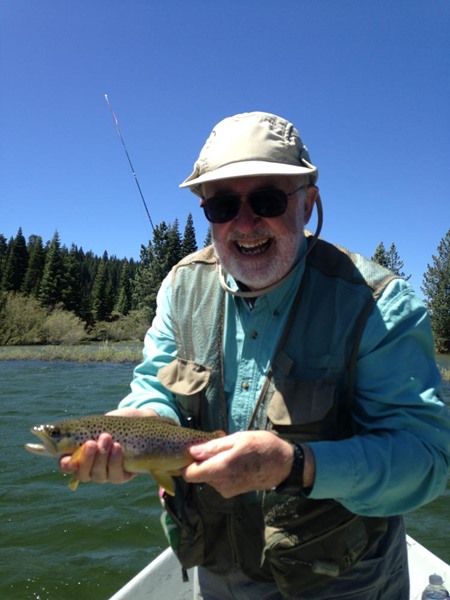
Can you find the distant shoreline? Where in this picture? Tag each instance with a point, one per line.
(106, 352)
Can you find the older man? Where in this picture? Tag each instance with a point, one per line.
(320, 367)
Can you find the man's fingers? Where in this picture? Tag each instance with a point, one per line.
(241, 462)
(66, 465)
(209, 449)
(100, 462)
(116, 473)
(210, 460)
(98, 471)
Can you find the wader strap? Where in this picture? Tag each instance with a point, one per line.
(281, 360)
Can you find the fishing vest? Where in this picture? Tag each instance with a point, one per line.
(281, 536)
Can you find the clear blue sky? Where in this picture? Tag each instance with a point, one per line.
(366, 82)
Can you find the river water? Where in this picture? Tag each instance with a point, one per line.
(59, 545)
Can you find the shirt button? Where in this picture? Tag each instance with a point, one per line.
(245, 385)
(254, 335)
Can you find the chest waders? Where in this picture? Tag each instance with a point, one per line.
(307, 396)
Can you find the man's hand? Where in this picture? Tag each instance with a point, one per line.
(103, 460)
(242, 462)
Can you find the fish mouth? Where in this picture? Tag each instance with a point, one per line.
(37, 449)
(48, 448)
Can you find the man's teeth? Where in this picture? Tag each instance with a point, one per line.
(253, 247)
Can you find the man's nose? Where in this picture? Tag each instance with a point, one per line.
(246, 219)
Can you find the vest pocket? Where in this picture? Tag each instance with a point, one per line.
(303, 550)
(187, 380)
(184, 527)
(199, 536)
(304, 410)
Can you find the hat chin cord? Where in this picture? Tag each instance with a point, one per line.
(256, 293)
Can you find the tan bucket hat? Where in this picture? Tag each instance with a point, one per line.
(254, 143)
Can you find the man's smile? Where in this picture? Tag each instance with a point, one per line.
(251, 248)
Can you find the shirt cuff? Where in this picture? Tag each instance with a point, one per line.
(163, 408)
(336, 470)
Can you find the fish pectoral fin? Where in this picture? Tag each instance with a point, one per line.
(73, 483)
(76, 459)
(164, 480)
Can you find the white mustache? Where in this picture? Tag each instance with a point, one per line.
(249, 237)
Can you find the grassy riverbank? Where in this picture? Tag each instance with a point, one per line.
(113, 353)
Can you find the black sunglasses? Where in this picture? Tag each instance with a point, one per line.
(268, 203)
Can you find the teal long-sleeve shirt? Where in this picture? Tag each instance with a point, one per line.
(400, 455)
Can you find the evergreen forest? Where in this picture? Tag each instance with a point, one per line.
(52, 294)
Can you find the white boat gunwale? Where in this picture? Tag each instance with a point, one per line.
(161, 578)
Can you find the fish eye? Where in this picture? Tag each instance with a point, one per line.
(55, 432)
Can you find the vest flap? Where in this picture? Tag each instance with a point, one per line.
(184, 377)
(300, 401)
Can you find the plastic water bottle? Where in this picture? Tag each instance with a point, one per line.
(435, 590)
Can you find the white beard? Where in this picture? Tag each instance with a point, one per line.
(259, 270)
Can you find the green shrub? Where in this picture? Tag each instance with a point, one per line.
(21, 319)
(123, 328)
(63, 327)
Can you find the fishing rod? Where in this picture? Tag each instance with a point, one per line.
(116, 122)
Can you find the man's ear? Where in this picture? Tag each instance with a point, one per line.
(311, 195)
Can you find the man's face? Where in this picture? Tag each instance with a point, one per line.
(260, 251)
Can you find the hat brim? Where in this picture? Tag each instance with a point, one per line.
(249, 168)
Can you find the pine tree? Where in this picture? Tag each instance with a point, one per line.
(36, 263)
(89, 267)
(50, 291)
(113, 270)
(124, 300)
(389, 259)
(142, 287)
(189, 244)
(395, 264)
(380, 255)
(16, 264)
(157, 259)
(208, 239)
(174, 251)
(3, 256)
(436, 288)
(102, 292)
(71, 294)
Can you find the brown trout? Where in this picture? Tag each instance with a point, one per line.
(155, 445)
